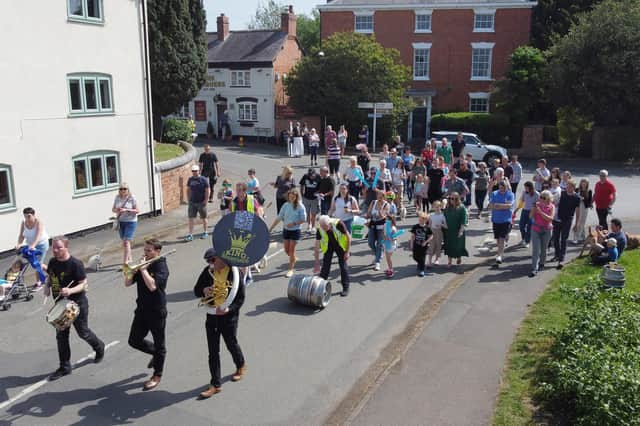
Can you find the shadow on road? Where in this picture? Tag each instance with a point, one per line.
(284, 306)
(112, 403)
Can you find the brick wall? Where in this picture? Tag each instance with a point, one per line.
(288, 57)
(450, 55)
(174, 183)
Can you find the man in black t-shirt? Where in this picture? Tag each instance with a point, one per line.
(457, 146)
(309, 187)
(151, 310)
(209, 168)
(467, 175)
(567, 207)
(326, 187)
(68, 279)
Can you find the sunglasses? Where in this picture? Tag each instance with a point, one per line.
(124, 189)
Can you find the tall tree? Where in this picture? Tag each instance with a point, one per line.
(178, 54)
(521, 91)
(595, 68)
(352, 68)
(554, 18)
(308, 30)
(267, 16)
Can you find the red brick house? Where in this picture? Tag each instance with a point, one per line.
(455, 48)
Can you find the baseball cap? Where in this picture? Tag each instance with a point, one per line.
(210, 254)
(195, 168)
(311, 171)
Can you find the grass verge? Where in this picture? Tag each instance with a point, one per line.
(166, 151)
(515, 404)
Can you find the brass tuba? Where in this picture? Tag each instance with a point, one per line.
(129, 270)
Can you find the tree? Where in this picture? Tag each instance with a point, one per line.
(267, 16)
(521, 92)
(178, 54)
(595, 68)
(308, 30)
(352, 68)
(554, 18)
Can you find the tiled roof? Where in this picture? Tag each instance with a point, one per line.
(245, 46)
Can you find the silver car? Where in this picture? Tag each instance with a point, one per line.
(473, 145)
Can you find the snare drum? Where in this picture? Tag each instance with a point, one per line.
(63, 314)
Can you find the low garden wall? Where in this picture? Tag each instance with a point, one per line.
(173, 177)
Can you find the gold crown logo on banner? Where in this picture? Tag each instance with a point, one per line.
(239, 242)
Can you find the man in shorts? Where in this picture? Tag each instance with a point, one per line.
(309, 187)
(501, 205)
(197, 194)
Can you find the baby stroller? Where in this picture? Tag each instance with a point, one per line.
(19, 288)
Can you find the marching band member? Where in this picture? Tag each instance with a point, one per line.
(67, 278)
(220, 321)
(151, 310)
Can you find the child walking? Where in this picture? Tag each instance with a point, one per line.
(421, 237)
(437, 223)
(421, 193)
(389, 242)
(225, 195)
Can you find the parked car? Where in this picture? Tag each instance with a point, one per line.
(474, 145)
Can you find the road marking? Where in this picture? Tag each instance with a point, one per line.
(275, 253)
(34, 387)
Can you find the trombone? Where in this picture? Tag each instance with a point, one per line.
(129, 270)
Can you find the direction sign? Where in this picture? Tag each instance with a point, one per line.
(365, 105)
(384, 111)
(371, 115)
(384, 105)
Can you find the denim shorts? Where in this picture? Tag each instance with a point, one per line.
(44, 248)
(291, 234)
(127, 229)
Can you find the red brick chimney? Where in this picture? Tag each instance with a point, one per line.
(223, 27)
(288, 22)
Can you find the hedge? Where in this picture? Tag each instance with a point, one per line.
(491, 128)
(177, 130)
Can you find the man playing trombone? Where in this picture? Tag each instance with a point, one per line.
(150, 315)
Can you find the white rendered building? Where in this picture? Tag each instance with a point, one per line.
(75, 113)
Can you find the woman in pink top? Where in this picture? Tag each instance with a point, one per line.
(541, 224)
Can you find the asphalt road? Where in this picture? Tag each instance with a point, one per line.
(301, 363)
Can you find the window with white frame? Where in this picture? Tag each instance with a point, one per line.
(6, 188)
(483, 21)
(85, 10)
(241, 78)
(90, 94)
(95, 171)
(247, 111)
(423, 22)
(481, 55)
(364, 22)
(479, 102)
(421, 53)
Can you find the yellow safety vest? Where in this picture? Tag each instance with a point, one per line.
(340, 237)
(250, 207)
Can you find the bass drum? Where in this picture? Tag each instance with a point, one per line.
(309, 290)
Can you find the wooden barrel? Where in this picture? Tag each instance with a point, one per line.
(613, 276)
(309, 290)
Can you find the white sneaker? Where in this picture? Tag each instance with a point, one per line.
(526, 245)
(498, 259)
(575, 242)
(289, 273)
(376, 267)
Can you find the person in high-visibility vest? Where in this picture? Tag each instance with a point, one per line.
(246, 202)
(332, 236)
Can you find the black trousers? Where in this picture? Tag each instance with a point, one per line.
(81, 324)
(227, 326)
(602, 217)
(419, 254)
(154, 322)
(514, 187)
(560, 236)
(212, 182)
(326, 265)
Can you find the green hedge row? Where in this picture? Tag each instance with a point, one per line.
(492, 128)
(175, 130)
(593, 374)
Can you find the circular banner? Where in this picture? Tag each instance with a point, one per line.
(241, 238)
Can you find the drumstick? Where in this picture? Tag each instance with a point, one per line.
(60, 295)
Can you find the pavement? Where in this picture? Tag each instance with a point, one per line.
(400, 351)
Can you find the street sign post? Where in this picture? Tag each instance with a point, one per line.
(379, 109)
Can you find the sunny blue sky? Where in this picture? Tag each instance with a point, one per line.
(241, 11)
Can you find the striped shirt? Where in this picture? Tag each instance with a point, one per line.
(333, 152)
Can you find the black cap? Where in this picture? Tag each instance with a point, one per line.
(311, 171)
(210, 254)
